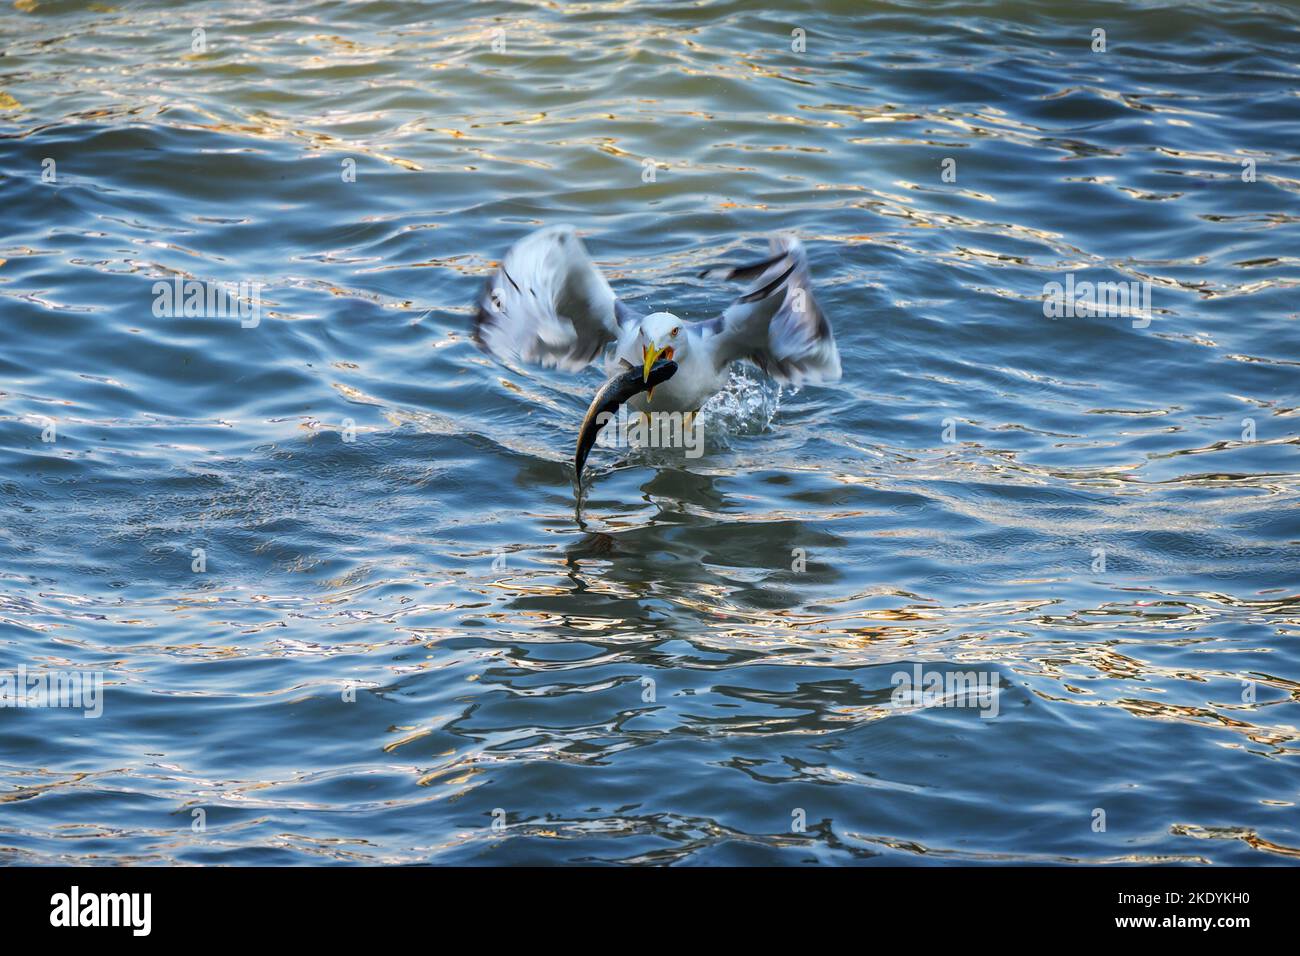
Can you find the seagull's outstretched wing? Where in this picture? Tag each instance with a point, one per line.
(547, 303)
(777, 324)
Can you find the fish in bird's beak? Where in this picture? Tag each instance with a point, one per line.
(605, 405)
(651, 355)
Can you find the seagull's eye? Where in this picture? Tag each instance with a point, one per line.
(676, 330)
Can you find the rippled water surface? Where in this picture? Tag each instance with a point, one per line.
(1111, 531)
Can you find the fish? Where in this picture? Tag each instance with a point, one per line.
(610, 396)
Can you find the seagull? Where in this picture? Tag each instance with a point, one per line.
(548, 304)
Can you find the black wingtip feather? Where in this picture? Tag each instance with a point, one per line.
(483, 319)
(743, 273)
(768, 289)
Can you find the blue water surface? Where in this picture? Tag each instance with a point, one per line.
(329, 564)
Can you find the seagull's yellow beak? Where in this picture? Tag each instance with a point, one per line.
(651, 355)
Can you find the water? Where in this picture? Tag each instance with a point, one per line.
(655, 679)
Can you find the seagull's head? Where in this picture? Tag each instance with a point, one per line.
(661, 337)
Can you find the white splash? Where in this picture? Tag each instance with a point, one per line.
(746, 405)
